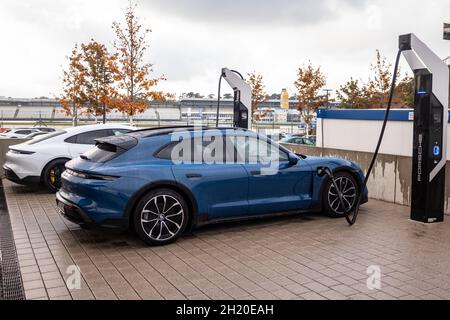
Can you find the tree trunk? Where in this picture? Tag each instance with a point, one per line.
(75, 115)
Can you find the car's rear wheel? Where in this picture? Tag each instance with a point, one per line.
(51, 176)
(161, 217)
(350, 192)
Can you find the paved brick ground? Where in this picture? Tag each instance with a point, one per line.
(302, 257)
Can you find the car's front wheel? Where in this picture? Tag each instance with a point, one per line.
(161, 217)
(51, 176)
(350, 193)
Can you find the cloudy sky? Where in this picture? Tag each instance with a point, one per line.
(193, 39)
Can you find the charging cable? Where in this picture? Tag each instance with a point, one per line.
(350, 215)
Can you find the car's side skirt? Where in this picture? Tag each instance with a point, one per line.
(201, 222)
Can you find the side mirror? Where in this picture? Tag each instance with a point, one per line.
(293, 160)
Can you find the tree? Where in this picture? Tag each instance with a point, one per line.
(101, 69)
(356, 94)
(353, 95)
(228, 96)
(258, 91)
(133, 75)
(404, 93)
(74, 96)
(309, 83)
(379, 85)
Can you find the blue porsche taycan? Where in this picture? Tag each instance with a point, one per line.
(164, 181)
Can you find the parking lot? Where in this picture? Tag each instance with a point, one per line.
(299, 257)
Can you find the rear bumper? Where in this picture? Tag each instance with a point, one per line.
(71, 211)
(12, 176)
(75, 214)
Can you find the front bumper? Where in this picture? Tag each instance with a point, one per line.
(365, 197)
(12, 176)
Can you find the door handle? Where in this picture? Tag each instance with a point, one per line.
(255, 173)
(193, 175)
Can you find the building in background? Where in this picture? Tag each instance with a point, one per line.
(186, 110)
(284, 101)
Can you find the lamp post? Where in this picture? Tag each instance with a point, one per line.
(328, 96)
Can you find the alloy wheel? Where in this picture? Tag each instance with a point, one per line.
(55, 176)
(162, 218)
(348, 190)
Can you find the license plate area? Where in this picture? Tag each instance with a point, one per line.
(61, 208)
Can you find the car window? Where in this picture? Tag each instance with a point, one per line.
(166, 152)
(196, 150)
(26, 132)
(253, 150)
(89, 137)
(45, 137)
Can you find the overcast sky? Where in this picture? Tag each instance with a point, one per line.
(193, 39)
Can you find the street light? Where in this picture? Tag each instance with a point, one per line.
(328, 96)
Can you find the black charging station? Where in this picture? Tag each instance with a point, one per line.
(430, 130)
(428, 190)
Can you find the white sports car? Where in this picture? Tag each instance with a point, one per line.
(42, 160)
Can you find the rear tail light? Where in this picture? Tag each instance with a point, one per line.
(90, 176)
(14, 151)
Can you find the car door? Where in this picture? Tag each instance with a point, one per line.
(220, 188)
(275, 185)
(80, 143)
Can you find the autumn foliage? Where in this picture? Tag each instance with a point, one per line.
(74, 95)
(356, 94)
(133, 75)
(100, 69)
(258, 90)
(97, 81)
(309, 84)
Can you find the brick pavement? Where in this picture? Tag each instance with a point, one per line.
(300, 257)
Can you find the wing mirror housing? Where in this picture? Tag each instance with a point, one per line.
(293, 160)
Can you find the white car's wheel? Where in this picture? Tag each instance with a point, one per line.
(51, 176)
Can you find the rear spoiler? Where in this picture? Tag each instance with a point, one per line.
(124, 142)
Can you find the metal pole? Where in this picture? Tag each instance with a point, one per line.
(328, 97)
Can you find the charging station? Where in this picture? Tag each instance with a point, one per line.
(431, 101)
(242, 98)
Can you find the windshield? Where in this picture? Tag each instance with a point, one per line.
(44, 137)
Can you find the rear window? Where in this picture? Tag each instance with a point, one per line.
(102, 153)
(45, 137)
